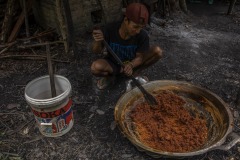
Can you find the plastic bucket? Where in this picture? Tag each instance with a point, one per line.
(54, 116)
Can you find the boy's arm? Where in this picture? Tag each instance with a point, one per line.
(98, 37)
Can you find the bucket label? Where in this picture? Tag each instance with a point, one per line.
(53, 114)
(55, 122)
(59, 124)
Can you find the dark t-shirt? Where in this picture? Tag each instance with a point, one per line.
(126, 49)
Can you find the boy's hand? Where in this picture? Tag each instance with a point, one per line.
(97, 35)
(128, 69)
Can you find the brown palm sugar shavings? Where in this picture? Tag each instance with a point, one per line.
(169, 127)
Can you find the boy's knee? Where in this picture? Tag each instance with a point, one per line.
(94, 67)
(99, 67)
(157, 51)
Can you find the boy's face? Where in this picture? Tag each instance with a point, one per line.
(133, 28)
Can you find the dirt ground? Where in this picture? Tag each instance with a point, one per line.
(201, 48)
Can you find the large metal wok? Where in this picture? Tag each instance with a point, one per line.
(206, 103)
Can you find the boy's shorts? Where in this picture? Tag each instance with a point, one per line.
(115, 66)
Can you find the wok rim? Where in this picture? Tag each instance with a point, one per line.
(176, 154)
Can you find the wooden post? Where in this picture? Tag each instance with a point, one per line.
(230, 8)
(62, 25)
(70, 28)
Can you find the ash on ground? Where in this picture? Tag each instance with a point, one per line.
(201, 48)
